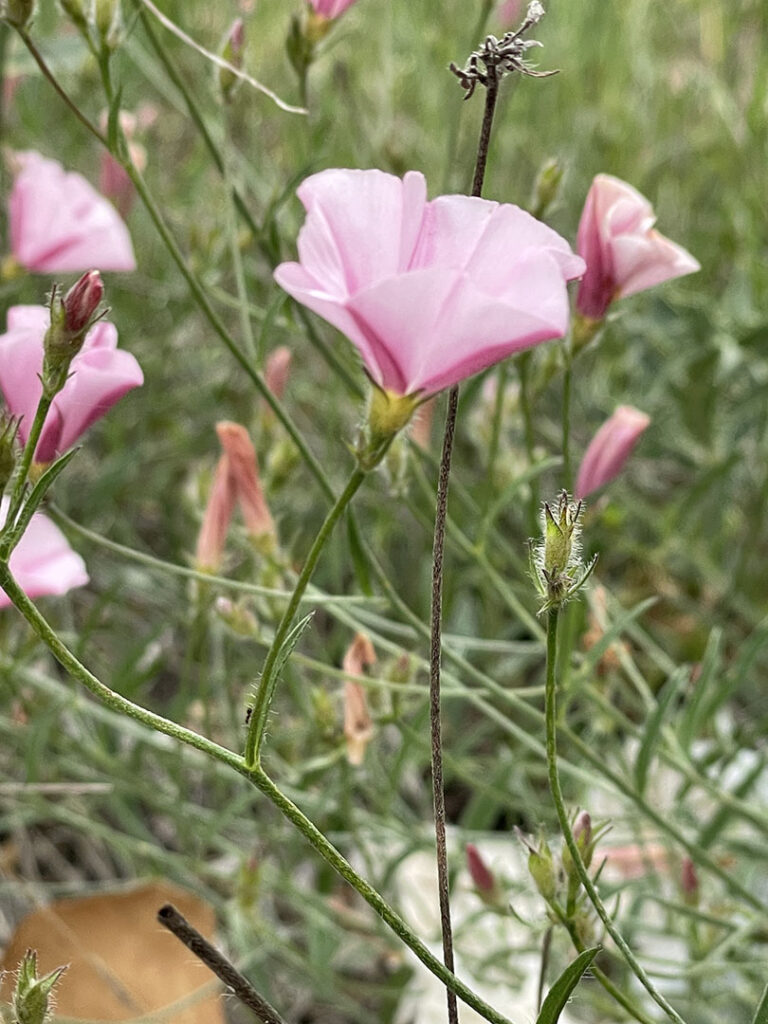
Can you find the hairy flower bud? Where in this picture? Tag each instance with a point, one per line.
(32, 995)
(582, 833)
(71, 319)
(555, 563)
(9, 427)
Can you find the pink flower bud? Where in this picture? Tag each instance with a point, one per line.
(689, 882)
(244, 469)
(482, 877)
(358, 725)
(82, 301)
(624, 253)
(610, 448)
(330, 8)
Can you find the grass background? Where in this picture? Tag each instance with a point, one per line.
(671, 97)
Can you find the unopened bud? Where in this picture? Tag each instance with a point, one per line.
(76, 11)
(689, 883)
(237, 616)
(542, 871)
(277, 370)
(32, 995)
(232, 52)
(483, 878)
(71, 319)
(108, 22)
(582, 833)
(16, 12)
(547, 187)
(82, 302)
(556, 566)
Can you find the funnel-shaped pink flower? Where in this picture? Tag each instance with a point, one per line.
(610, 448)
(429, 292)
(60, 224)
(100, 374)
(42, 562)
(624, 253)
(330, 8)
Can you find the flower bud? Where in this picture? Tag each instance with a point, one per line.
(244, 468)
(232, 52)
(32, 995)
(556, 567)
(108, 22)
(277, 369)
(82, 301)
(582, 833)
(16, 12)
(218, 515)
(237, 616)
(610, 448)
(71, 319)
(542, 871)
(486, 886)
(547, 187)
(689, 883)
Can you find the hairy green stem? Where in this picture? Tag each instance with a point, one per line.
(371, 896)
(256, 776)
(565, 825)
(267, 682)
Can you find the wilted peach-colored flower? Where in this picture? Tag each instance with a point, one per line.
(218, 515)
(277, 369)
(358, 725)
(244, 469)
(623, 251)
(610, 448)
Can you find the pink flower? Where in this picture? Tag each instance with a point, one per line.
(330, 8)
(60, 224)
(624, 253)
(277, 370)
(100, 374)
(482, 876)
(42, 562)
(429, 292)
(610, 448)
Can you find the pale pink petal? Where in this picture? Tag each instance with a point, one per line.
(648, 261)
(59, 223)
(21, 361)
(348, 245)
(330, 8)
(43, 563)
(610, 448)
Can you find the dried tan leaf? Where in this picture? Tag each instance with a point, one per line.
(123, 964)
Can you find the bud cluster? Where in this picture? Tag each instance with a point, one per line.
(556, 567)
(32, 996)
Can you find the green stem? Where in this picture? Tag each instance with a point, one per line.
(22, 471)
(268, 680)
(256, 776)
(562, 815)
(600, 976)
(330, 854)
(112, 700)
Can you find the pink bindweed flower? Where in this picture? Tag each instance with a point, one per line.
(100, 374)
(42, 562)
(623, 251)
(60, 224)
(330, 8)
(428, 292)
(610, 448)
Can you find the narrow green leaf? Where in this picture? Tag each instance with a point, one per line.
(562, 989)
(761, 1013)
(359, 560)
(652, 728)
(39, 491)
(693, 717)
(611, 635)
